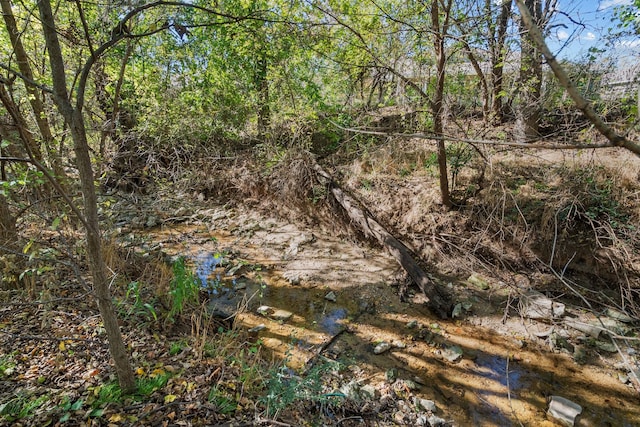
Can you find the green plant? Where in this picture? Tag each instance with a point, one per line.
(21, 406)
(184, 288)
(7, 365)
(458, 156)
(284, 387)
(137, 306)
(67, 407)
(176, 347)
(224, 401)
(111, 393)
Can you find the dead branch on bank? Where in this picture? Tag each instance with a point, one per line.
(438, 302)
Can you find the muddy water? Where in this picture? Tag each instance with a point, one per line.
(500, 380)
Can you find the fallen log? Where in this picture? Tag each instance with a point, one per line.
(437, 301)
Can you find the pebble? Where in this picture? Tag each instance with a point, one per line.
(564, 410)
(453, 353)
(427, 405)
(381, 348)
(331, 296)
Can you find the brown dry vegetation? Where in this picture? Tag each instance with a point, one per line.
(518, 211)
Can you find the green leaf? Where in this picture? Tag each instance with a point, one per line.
(77, 405)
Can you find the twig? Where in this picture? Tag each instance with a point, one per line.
(41, 338)
(528, 144)
(355, 417)
(272, 422)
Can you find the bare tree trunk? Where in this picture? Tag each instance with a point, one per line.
(264, 113)
(498, 56)
(530, 79)
(75, 120)
(439, 34)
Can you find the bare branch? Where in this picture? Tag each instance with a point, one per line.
(581, 102)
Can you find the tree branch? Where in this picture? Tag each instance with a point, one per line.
(581, 102)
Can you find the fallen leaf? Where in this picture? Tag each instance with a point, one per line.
(170, 398)
(61, 346)
(116, 418)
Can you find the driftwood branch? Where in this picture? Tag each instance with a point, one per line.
(581, 102)
(435, 137)
(438, 302)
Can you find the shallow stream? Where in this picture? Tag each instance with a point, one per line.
(318, 288)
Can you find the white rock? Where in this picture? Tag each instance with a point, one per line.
(535, 305)
(381, 348)
(427, 405)
(564, 410)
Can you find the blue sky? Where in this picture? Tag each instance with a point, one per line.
(570, 40)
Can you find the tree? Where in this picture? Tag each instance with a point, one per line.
(581, 103)
(75, 120)
(530, 79)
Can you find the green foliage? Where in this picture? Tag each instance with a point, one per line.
(284, 387)
(133, 304)
(68, 407)
(21, 406)
(184, 288)
(177, 347)
(7, 365)
(111, 393)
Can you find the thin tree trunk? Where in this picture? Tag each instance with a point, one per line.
(498, 56)
(528, 112)
(75, 120)
(264, 113)
(8, 233)
(439, 34)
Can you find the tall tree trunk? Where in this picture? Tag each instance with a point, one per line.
(35, 99)
(439, 34)
(530, 79)
(498, 56)
(264, 113)
(73, 117)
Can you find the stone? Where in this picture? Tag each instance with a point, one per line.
(281, 315)
(258, 328)
(535, 305)
(412, 324)
(369, 391)
(436, 421)
(381, 347)
(606, 346)
(424, 404)
(564, 410)
(293, 277)
(619, 315)
(478, 281)
(274, 313)
(398, 344)
(331, 296)
(457, 311)
(593, 330)
(453, 353)
(351, 390)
